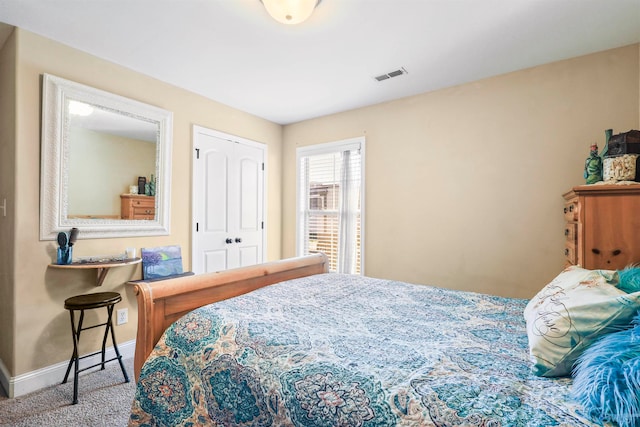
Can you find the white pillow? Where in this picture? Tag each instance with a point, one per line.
(571, 312)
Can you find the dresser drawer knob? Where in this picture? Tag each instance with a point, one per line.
(566, 252)
(566, 231)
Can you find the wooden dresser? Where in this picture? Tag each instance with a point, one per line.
(602, 227)
(136, 206)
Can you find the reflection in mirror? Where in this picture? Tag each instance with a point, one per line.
(95, 146)
(107, 154)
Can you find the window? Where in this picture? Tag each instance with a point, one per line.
(330, 201)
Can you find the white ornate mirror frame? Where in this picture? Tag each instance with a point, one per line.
(54, 179)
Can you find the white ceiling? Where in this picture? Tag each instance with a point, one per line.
(233, 52)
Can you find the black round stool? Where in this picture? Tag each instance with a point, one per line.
(88, 302)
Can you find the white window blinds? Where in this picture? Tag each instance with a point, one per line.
(330, 203)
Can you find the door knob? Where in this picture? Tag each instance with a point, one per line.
(228, 241)
(238, 240)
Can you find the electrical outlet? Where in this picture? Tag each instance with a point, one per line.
(122, 316)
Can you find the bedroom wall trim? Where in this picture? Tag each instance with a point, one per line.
(51, 375)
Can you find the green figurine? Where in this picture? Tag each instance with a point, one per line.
(593, 166)
(151, 186)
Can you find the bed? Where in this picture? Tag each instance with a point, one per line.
(287, 343)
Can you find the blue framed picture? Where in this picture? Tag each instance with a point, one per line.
(161, 262)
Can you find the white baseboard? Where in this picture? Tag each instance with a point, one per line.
(54, 374)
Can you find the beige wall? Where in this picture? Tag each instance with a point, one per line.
(7, 192)
(42, 325)
(464, 185)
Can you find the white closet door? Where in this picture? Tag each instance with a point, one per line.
(228, 186)
(249, 176)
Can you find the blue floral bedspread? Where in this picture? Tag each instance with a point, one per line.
(339, 350)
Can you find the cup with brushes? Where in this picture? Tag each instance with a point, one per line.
(65, 246)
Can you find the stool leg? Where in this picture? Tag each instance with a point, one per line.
(74, 355)
(106, 334)
(115, 346)
(74, 358)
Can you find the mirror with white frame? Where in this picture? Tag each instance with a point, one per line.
(95, 146)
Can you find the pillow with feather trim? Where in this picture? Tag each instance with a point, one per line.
(607, 378)
(570, 313)
(629, 279)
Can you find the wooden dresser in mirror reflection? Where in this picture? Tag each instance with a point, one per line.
(137, 206)
(602, 226)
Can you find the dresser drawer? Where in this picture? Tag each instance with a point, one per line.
(571, 210)
(571, 232)
(144, 203)
(144, 213)
(570, 253)
(144, 217)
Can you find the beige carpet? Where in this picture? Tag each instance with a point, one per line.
(104, 399)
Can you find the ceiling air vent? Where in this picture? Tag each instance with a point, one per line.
(395, 73)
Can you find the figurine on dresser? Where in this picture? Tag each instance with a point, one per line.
(593, 166)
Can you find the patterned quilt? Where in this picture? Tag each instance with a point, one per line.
(340, 350)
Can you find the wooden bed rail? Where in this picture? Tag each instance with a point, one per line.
(161, 303)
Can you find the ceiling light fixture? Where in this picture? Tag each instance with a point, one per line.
(290, 12)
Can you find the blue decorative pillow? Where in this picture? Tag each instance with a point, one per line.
(607, 378)
(629, 279)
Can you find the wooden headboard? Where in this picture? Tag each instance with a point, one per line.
(161, 303)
